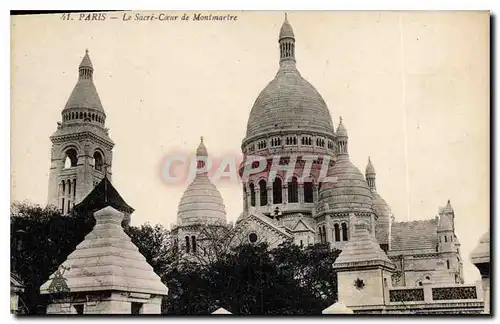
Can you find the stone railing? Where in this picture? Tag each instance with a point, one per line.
(430, 293)
(406, 294)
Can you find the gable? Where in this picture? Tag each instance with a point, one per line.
(301, 226)
(266, 231)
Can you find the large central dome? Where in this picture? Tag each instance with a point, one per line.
(288, 101)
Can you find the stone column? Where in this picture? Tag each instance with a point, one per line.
(284, 194)
(315, 192)
(427, 285)
(257, 197)
(269, 195)
(301, 193)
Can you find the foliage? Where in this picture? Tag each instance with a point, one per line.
(256, 280)
(246, 279)
(41, 239)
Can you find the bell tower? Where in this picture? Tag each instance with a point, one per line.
(81, 152)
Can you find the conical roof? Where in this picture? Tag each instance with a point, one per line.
(481, 253)
(86, 61)
(84, 94)
(361, 249)
(445, 223)
(106, 260)
(103, 195)
(448, 209)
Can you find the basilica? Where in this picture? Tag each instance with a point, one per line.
(396, 261)
(290, 119)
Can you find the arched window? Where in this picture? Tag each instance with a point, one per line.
(293, 191)
(446, 239)
(324, 234)
(98, 162)
(336, 229)
(81, 115)
(71, 159)
(344, 232)
(277, 195)
(193, 240)
(447, 264)
(263, 192)
(74, 190)
(320, 234)
(252, 195)
(187, 244)
(308, 192)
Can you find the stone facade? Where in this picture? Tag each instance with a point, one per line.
(81, 151)
(290, 122)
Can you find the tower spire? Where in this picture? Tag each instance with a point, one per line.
(86, 69)
(342, 139)
(286, 42)
(370, 175)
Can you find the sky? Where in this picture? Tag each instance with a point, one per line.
(412, 88)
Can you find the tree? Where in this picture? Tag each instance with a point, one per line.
(255, 280)
(41, 239)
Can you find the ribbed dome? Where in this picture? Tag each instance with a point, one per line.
(288, 101)
(201, 203)
(384, 213)
(350, 192)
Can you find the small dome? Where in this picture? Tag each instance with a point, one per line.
(286, 29)
(384, 213)
(349, 193)
(202, 149)
(370, 170)
(201, 203)
(481, 253)
(341, 130)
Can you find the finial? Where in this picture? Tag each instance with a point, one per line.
(201, 139)
(86, 51)
(286, 17)
(340, 119)
(369, 160)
